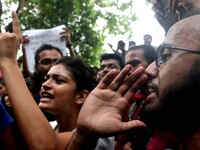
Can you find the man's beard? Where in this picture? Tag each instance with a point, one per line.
(180, 106)
(38, 79)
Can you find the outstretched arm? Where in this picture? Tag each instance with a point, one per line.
(67, 35)
(165, 12)
(33, 124)
(101, 113)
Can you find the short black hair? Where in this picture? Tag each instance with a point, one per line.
(149, 52)
(148, 35)
(121, 43)
(115, 56)
(43, 48)
(131, 43)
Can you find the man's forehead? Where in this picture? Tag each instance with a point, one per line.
(50, 54)
(191, 23)
(138, 51)
(108, 61)
(134, 53)
(184, 33)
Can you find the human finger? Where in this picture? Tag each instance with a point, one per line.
(127, 146)
(61, 33)
(119, 80)
(65, 28)
(111, 75)
(157, 6)
(158, 13)
(25, 39)
(132, 124)
(107, 79)
(64, 31)
(122, 86)
(16, 27)
(133, 81)
(153, 2)
(135, 86)
(173, 4)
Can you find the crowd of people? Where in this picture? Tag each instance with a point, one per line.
(142, 98)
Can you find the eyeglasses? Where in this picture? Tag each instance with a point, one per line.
(1, 82)
(161, 57)
(47, 61)
(110, 66)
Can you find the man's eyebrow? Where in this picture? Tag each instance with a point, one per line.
(165, 44)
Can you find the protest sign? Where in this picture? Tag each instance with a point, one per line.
(43, 36)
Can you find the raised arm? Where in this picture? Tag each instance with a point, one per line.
(67, 35)
(165, 12)
(34, 126)
(101, 114)
(25, 71)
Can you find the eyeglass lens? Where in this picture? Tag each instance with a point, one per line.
(47, 61)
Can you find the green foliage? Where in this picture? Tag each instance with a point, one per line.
(81, 17)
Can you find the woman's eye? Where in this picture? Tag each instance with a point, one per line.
(58, 80)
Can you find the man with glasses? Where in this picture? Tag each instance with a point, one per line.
(178, 62)
(162, 54)
(45, 56)
(177, 106)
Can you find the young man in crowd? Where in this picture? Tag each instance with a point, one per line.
(109, 61)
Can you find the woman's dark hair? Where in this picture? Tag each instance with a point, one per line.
(81, 72)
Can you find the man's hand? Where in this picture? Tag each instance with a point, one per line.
(66, 34)
(101, 113)
(165, 12)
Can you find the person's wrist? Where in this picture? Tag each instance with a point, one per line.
(69, 44)
(8, 63)
(87, 140)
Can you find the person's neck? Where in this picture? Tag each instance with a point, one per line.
(66, 123)
(191, 141)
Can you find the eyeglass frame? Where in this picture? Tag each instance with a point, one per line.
(2, 82)
(51, 61)
(164, 46)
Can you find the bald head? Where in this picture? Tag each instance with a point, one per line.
(179, 82)
(186, 33)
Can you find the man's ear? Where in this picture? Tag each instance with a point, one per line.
(80, 98)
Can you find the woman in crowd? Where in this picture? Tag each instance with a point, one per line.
(68, 83)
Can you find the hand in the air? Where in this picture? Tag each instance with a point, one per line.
(102, 111)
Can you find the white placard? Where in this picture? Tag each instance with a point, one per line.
(43, 36)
